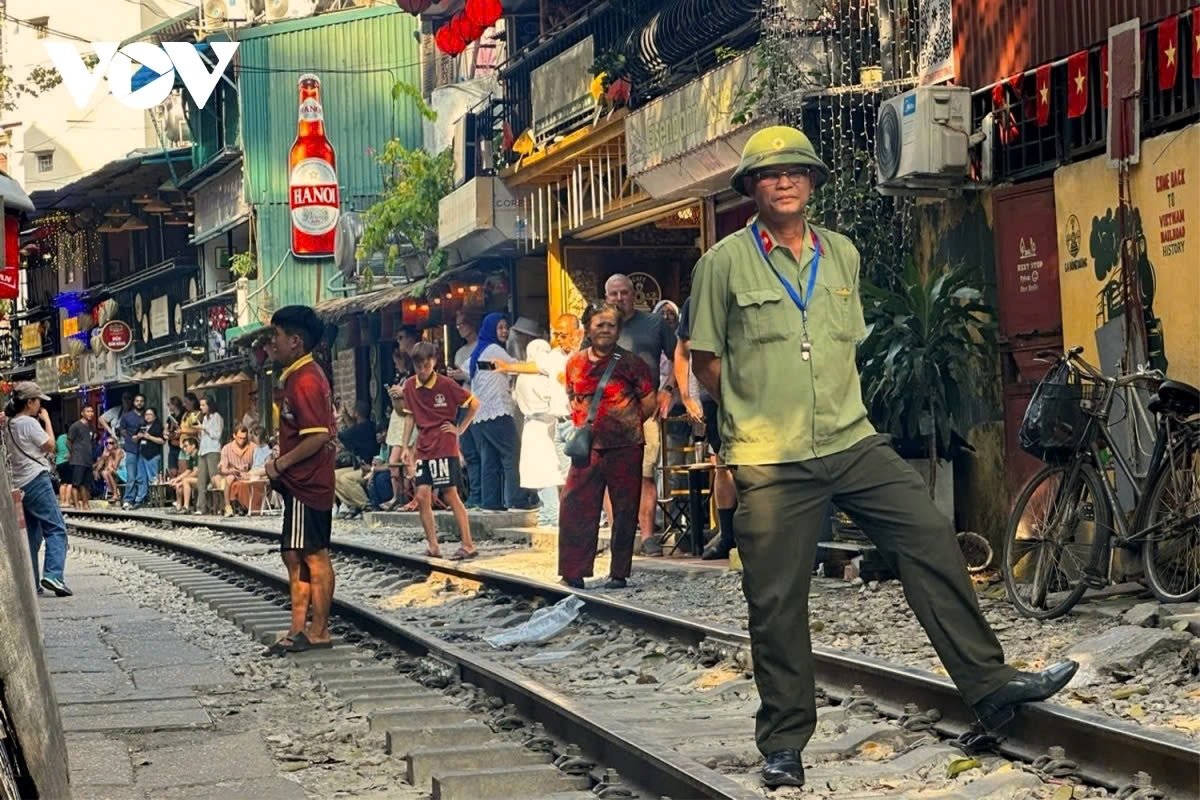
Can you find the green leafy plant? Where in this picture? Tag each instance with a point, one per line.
(611, 64)
(404, 220)
(927, 345)
(243, 265)
(406, 214)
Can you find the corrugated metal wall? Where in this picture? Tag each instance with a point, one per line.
(359, 56)
(999, 38)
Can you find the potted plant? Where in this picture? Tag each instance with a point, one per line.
(243, 265)
(928, 345)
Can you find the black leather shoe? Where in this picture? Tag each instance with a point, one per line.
(616, 583)
(783, 768)
(717, 550)
(574, 583)
(996, 709)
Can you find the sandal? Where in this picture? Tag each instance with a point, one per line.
(461, 554)
(410, 506)
(388, 506)
(300, 643)
(281, 646)
(430, 554)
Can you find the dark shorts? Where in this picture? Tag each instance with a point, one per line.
(438, 472)
(304, 528)
(81, 477)
(712, 426)
(64, 471)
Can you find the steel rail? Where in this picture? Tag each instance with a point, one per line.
(1109, 752)
(645, 763)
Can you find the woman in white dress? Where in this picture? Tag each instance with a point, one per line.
(537, 397)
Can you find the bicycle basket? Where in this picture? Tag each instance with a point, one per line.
(1054, 423)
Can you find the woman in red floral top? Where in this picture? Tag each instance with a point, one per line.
(616, 463)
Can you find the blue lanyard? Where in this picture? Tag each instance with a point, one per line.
(801, 302)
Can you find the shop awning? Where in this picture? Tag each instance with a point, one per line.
(219, 230)
(342, 307)
(210, 169)
(142, 172)
(13, 195)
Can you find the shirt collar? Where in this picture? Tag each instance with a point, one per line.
(433, 376)
(295, 365)
(769, 245)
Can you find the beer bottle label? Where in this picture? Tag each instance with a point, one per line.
(311, 111)
(313, 197)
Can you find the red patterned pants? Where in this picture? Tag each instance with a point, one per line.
(620, 471)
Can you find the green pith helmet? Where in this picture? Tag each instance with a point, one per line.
(776, 146)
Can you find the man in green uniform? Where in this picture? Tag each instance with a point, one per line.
(776, 316)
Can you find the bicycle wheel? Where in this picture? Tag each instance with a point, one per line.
(1171, 557)
(1051, 533)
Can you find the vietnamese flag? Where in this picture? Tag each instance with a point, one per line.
(1104, 76)
(1168, 53)
(1043, 95)
(1077, 84)
(1196, 42)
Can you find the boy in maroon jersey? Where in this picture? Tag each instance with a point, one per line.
(431, 403)
(303, 474)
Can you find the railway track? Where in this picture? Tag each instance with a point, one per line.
(679, 728)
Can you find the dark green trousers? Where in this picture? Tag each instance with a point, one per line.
(780, 508)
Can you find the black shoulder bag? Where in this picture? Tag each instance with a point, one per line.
(578, 446)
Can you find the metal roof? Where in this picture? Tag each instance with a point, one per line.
(175, 29)
(13, 195)
(138, 173)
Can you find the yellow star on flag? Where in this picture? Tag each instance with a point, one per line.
(1080, 80)
(1045, 92)
(1170, 51)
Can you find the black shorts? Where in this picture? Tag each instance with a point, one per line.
(304, 528)
(81, 477)
(64, 471)
(439, 473)
(712, 426)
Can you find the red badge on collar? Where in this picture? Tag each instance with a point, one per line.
(767, 242)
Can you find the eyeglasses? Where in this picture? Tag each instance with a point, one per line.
(793, 174)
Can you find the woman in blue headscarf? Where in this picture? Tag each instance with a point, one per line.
(494, 428)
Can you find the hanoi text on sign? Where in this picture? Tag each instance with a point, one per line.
(116, 335)
(117, 65)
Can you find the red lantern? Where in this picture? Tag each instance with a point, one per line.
(466, 30)
(448, 41)
(484, 13)
(414, 7)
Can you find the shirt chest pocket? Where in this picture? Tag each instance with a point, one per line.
(766, 314)
(843, 313)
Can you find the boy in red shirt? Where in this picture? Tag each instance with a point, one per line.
(303, 474)
(431, 403)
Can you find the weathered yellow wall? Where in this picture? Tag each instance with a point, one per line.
(1165, 188)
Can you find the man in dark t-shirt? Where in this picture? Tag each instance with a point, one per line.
(431, 404)
(80, 438)
(303, 474)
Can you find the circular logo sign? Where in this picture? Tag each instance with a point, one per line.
(1074, 235)
(116, 335)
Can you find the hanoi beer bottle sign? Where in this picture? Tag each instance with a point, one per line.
(313, 195)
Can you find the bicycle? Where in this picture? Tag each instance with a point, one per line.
(1055, 558)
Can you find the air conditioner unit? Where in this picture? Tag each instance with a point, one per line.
(922, 140)
(219, 13)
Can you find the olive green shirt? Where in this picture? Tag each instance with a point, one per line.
(776, 408)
